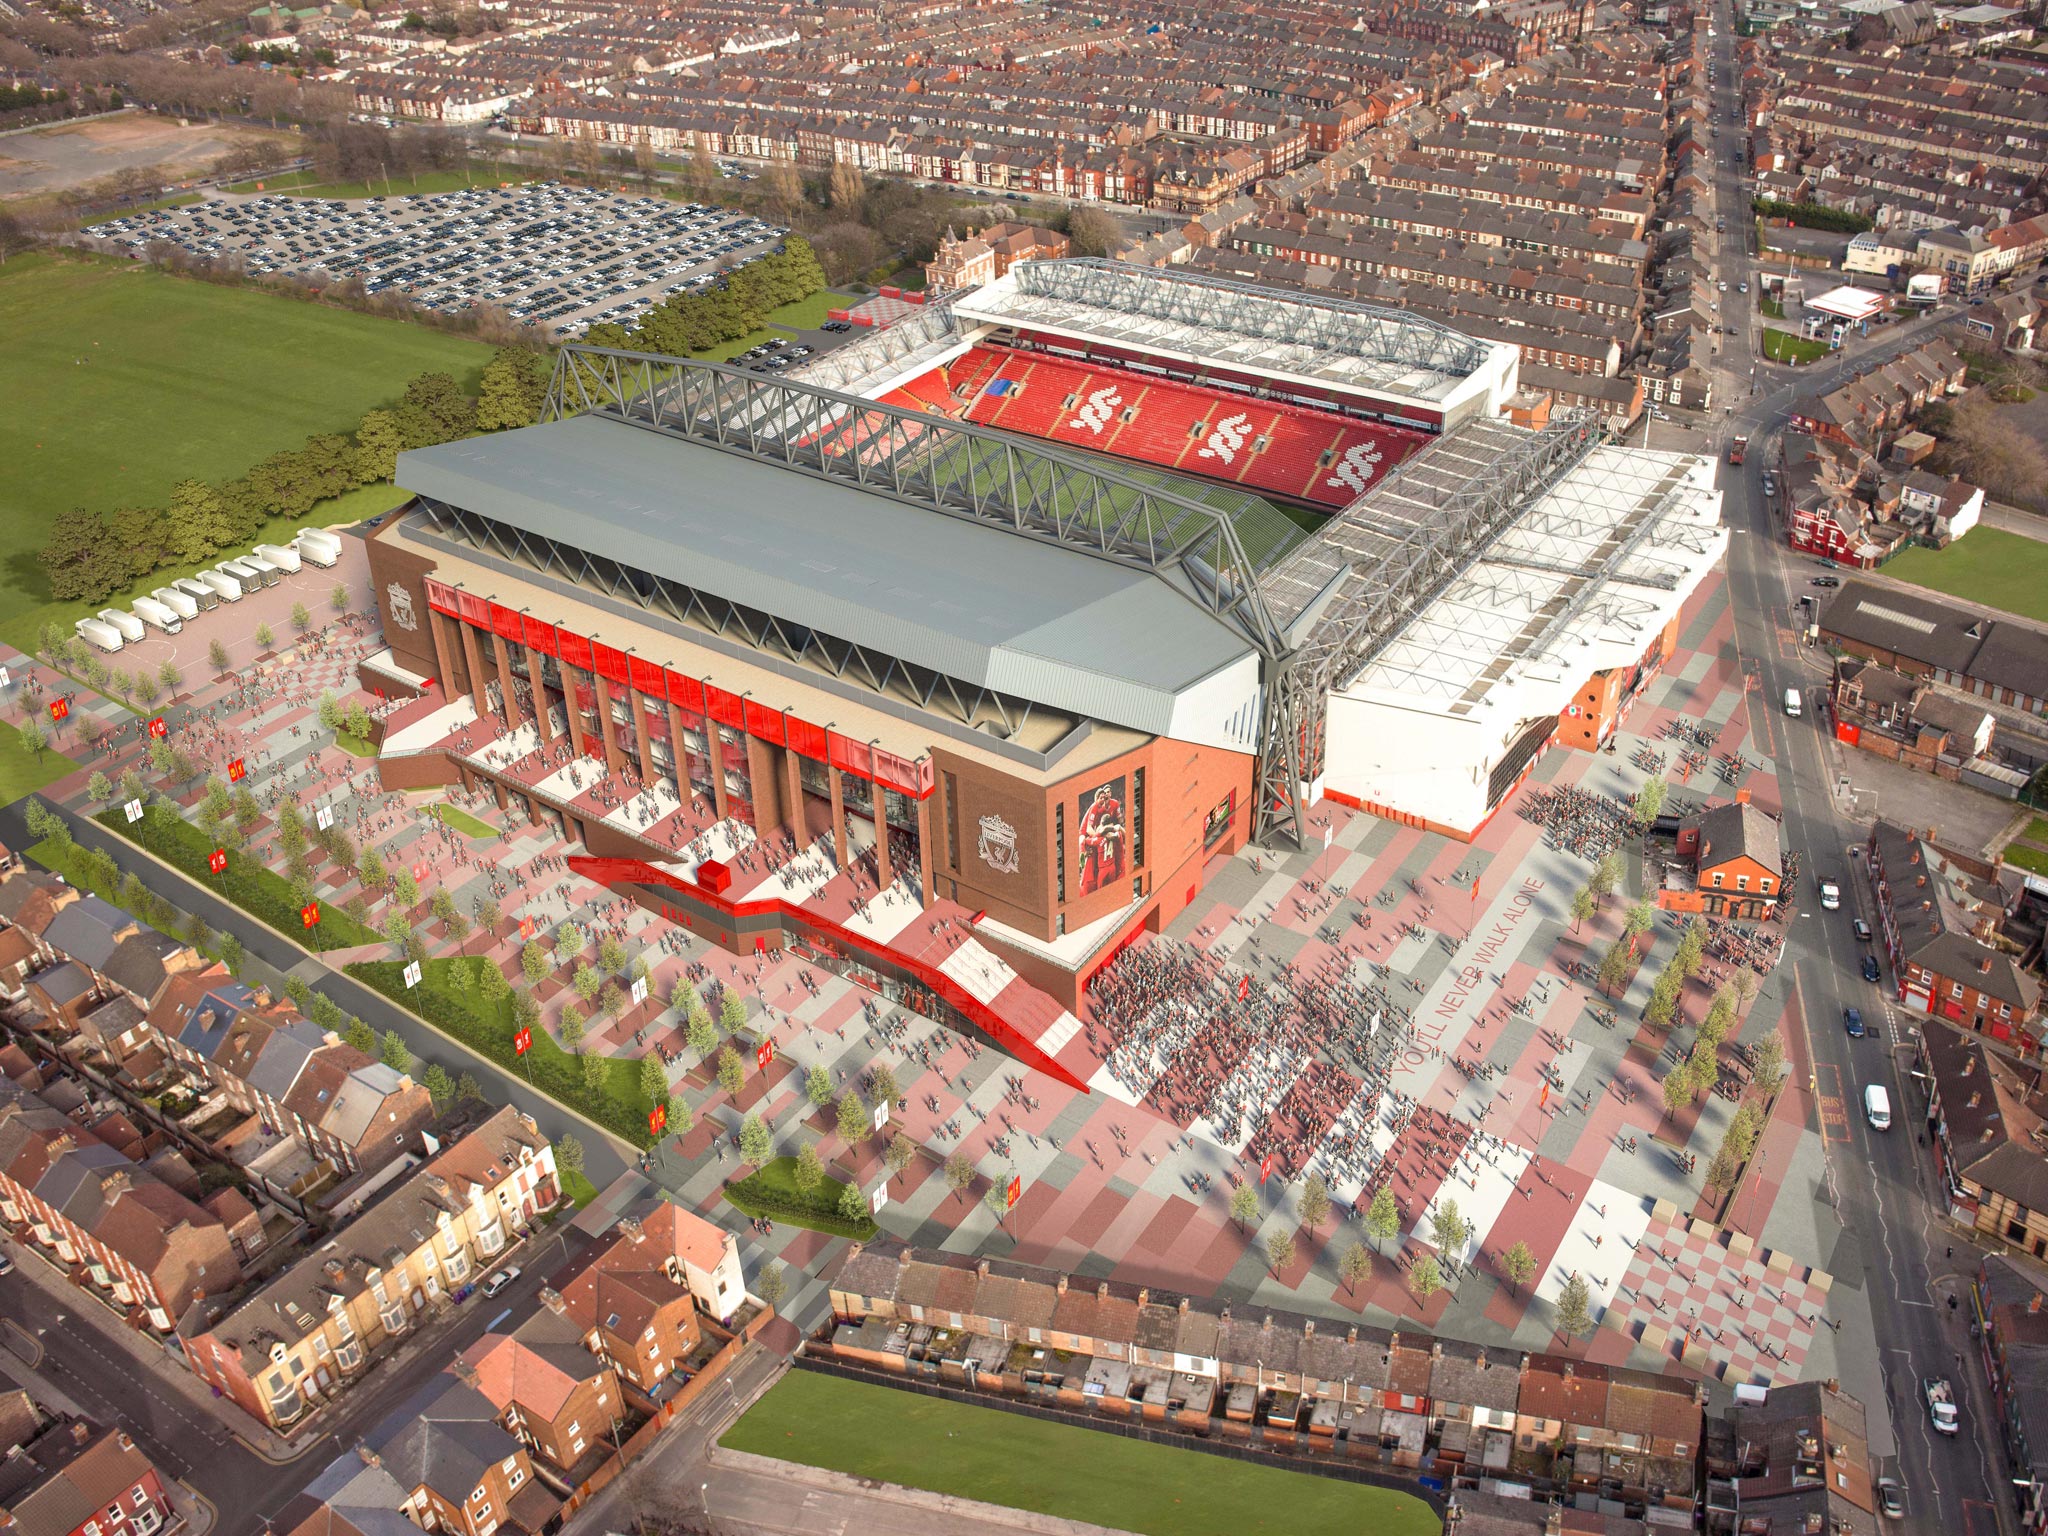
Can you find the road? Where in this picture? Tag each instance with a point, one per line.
(604, 1159)
(49, 1339)
(1885, 1264)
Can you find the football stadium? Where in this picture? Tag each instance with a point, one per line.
(1011, 617)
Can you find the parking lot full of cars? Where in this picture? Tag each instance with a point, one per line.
(557, 258)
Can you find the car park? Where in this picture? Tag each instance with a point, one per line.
(501, 1279)
(509, 246)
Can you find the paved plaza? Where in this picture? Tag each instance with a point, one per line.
(1388, 1009)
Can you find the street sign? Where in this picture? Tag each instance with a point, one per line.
(1014, 1192)
(765, 1054)
(1265, 1167)
(133, 811)
(217, 860)
(59, 708)
(881, 1114)
(878, 1199)
(323, 818)
(236, 771)
(522, 1042)
(158, 729)
(639, 990)
(412, 973)
(657, 1117)
(309, 914)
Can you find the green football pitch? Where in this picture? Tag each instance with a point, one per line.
(1056, 1469)
(124, 381)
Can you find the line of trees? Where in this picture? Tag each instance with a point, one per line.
(91, 555)
(685, 323)
(1813, 216)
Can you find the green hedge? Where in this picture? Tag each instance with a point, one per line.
(771, 1191)
(486, 1028)
(264, 895)
(1814, 216)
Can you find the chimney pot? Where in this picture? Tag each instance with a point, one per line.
(80, 1432)
(1061, 1287)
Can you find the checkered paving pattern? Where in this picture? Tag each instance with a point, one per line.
(1711, 1301)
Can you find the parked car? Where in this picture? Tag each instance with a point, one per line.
(1891, 1499)
(1827, 581)
(1862, 929)
(501, 1279)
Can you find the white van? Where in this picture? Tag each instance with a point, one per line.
(1877, 1108)
(1792, 702)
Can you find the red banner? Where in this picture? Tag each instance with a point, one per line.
(235, 770)
(158, 729)
(309, 914)
(657, 1117)
(1014, 1193)
(1265, 1167)
(441, 596)
(522, 1042)
(217, 860)
(59, 708)
(765, 1054)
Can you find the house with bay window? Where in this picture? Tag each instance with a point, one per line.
(304, 1337)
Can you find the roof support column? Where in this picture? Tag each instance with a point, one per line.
(437, 623)
(637, 702)
(536, 672)
(680, 753)
(605, 724)
(885, 874)
(793, 800)
(924, 850)
(572, 681)
(470, 654)
(508, 684)
(842, 854)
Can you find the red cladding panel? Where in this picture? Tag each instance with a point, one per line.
(575, 650)
(476, 609)
(806, 738)
(685, 692)
(540, 636)
(609, 661)
(851, 756)
(441, 596)
(724, 707)
(763, 722)
(645, 676)
(507, 622)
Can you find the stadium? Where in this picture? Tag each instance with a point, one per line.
(1021, 612)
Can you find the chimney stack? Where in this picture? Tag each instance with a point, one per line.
(552, 1300)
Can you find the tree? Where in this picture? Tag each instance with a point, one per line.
(1425, 1279)
(884, 1079)
(854, 1120)
(1676, 1090)
(99, 787)
(301, 619)
(535, 962)
(1315, 1201)
(1662, 1007)
(680, 1116)
(511, 390)
(1641, 916)
(569, 1026)
(468, 1089)
(959, 1172)
(593, 1071)
(853, 1205)
(1606, 877)
(1354, 1266)
(231, 955)
(732, 1010)
(1279, 1251)
(80, 559)
(902, 1152)
(264, 638)
(653, 1079)
(1574, 1307)
(1382, 1218)
(1244, 1205)
(1094, 232)
(732, 1072)
(756, 1145)
(361, 1036)
(783, 186)
(611, 1000)
(1725, 1168)
(809, 1172)
(702, 1036)
(568, 1154)
(772, 1286)
(1648, 804)
(338, 598)
(405, 888)
(35, 738)
(1614, 966)
(1584, 905)
(1449, 1230)
(216, 655)
(1517, 1265)
(1767, 1064)
(440, 1087)
(167, 673)
(394, 1052)
(396, 930)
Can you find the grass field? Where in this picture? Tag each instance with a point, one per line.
(460, 819)
(2033, 860)
(1986, 565)
(427, 183)
(1003, 1458)
(771, 1191)
(179, 200)
(181, 378)
(21, 771)
(1784, 347)
(799, 315)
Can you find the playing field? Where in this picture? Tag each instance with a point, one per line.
(1784, 347)
(1055, 1469)
(126, 381)
(1986, 565)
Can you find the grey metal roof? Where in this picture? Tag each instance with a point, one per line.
(1041, 622)
(356, 1103)
(86, 930)
(284, 1056)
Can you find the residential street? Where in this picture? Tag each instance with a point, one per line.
(1881, 1182)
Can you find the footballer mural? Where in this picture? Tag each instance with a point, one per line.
(1104, 838)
